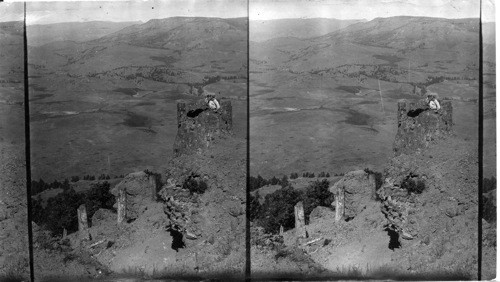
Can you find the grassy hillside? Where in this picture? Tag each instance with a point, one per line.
(301, 28)
(41, 34)
(111, 102)
(328, 103)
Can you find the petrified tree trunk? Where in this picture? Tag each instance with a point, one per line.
(339, 204)
(122, 205)
(83, 224)
(373, 183)
(300, 222)
(152, 185)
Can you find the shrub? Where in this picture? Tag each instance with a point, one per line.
(254, 208)
(257, 182)
(412, 186)
(317, 194)
(489, 184)
(194, 185)
(489, 208)
(278, 209)
(284, 181)
(60, 212)
(98, 197)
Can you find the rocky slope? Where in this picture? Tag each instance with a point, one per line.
(420, 222)
(177, 232)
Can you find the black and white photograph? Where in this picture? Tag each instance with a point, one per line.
(14, 242)
(266, 140)
(138, 138)
(364, 139)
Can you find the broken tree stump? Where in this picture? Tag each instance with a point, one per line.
(122, 205)
(300, 221)
(281, 230)
(152, 186)
(339, 203)
(83, 223)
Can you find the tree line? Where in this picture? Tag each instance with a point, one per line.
(259, 181)
(278, 207)
(60, 212)
(41, 185)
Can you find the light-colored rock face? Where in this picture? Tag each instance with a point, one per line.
(359, 189)
(320, 212)
(198, 126)
(103, 216)
(418, 126)
(140, 189)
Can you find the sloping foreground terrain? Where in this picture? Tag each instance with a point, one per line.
(14, 257)
(179, 234)
(420, 222)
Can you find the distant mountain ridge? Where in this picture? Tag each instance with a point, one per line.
(179, 33)
(175, 50)
(41, 34)
(439, 45)
(300, 28)
(410, 32)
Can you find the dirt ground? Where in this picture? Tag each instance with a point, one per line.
(445, 216)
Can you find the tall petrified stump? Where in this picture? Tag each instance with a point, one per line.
(419, 126)
(198, 126)
(300, 221)
(83, 224)
(122, 205)
(339, 203)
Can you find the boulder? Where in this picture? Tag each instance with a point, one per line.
(359, 188)
(102, 216)
(141, 189)
(320, 212)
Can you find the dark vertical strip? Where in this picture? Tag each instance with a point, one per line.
(480, 149)
(27, 146)
(248, 233)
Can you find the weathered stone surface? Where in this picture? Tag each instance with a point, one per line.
(103, 216)
(300, 221)
(182, 209)
(419, 126)
(359, 188)
(320, 212)
(83, 223)
(139, 187)
(198, 126)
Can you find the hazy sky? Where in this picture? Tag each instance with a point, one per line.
(11, 11)
(118, 11)
(366, 9)
(137, 10)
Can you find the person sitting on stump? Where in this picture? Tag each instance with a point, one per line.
(433, 102)
(212, 103)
